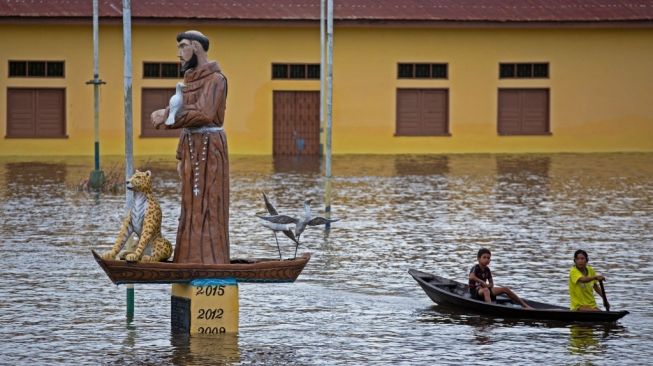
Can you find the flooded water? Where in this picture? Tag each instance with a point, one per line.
(354, 303)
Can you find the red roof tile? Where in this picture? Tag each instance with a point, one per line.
(371, 10)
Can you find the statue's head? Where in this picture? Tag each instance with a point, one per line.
(140, 182)
(191, 45)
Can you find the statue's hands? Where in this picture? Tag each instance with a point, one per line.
(158, 118)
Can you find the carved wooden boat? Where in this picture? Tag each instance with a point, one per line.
(243, 270)
(455, 294)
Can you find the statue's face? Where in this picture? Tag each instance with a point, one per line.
(184, 50)
(186, 54)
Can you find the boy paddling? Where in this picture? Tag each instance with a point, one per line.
(582, 279)
(481, 285)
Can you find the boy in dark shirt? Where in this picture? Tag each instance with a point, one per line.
(481, 285)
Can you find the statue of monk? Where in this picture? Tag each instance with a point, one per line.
(203, 165)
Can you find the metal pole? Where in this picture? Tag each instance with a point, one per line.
(329, 97)
(329, 84)
(322, 73)
(96, 87)
(129, 150)
(129, 135)
(97, 176)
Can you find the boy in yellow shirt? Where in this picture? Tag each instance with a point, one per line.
(582, 278)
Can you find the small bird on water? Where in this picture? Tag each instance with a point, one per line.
(175, 104)
(300, 223)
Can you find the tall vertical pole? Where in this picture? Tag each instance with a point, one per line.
(322, 73)
(97, 176)
(129, 135)
(96, 87)
(129, 150)
(329, 97)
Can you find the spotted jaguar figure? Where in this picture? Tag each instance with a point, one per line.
(144, 220)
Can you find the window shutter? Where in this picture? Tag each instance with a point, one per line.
(523, 112)
(422, 112)
(35, 113)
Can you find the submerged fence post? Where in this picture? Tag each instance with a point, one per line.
(130, 302)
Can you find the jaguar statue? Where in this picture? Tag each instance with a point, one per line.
(144, 221)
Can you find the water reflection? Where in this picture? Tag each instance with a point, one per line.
(421, 165)
(483, 329)
(202, 350)
(130, 337)
(588, 338)
(522, 179)
(447, 314)
(523, 166)
(27, 179)
(297, 164)
(584, 338)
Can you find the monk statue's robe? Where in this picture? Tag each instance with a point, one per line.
(203, 232)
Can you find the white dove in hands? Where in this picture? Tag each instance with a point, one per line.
(176, 101)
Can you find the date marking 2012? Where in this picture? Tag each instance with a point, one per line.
(210, 314)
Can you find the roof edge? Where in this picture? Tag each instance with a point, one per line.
(353, 23)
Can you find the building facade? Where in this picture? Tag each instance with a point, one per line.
(524, 82)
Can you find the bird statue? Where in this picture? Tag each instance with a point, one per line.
(284, 228)
(176, 102)
(300, 223)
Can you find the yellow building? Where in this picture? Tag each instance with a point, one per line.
(408, 77)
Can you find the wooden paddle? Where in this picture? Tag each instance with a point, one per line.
(606, 304)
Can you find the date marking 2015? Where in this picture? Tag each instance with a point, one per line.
(217, 290)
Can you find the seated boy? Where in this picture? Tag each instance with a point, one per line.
(481, 285)
(582, 279)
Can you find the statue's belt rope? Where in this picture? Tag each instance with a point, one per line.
(195, 161)
(203, 129)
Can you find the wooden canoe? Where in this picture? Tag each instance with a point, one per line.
(243, 270)
(451, 293)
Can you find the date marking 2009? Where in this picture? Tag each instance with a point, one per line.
(211, 330)
(210, 290)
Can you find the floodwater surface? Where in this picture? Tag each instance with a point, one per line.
(354, 303)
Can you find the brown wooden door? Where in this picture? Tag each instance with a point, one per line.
(296, 123)
(151, 100)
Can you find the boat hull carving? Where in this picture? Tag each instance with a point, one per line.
(243, 270)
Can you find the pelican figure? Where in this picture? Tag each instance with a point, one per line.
(284, 228)
(300, 223)
(176, 102)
